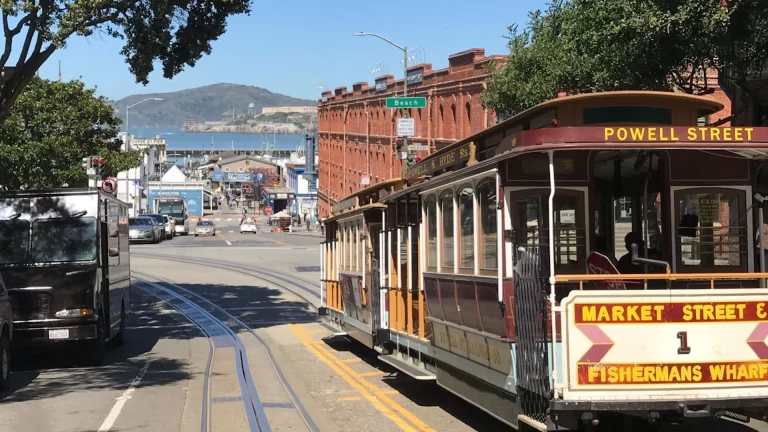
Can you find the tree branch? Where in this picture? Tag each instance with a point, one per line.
(8, 41)
(27, 42)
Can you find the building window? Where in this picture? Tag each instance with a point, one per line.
(446, 216)
(465, 200)
(430, 210)
(226, 169)
(486, 200)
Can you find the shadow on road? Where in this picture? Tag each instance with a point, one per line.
(56, 370)
(422, 393)
(256, 306)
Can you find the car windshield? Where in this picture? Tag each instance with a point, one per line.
(63, 240)
(165, 218)
(158, 218)
(139, 221)
(14, 239)
(205, 223)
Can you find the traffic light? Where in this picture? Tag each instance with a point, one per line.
(97, 163)
(399, 145)
(410, 161)
(87, 163)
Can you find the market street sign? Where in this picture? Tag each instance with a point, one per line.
(407, 102)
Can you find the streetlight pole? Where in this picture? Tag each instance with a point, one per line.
(404, 114)
(131, 106)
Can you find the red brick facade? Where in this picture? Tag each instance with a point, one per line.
(356, 132)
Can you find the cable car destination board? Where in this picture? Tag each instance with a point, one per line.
(653, 344)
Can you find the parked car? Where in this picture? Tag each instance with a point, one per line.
(205, 227)
(6, 334)
(249, 225)
(160, 222)
(170, 230)
(144, 229)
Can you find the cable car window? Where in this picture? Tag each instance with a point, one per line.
(488, 239)
(711, 228)
(446, 215)
(465, 199)
(430, 209)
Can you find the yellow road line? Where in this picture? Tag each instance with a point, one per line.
(306, 340)
(367, 384)
(349, 398)
(352, 360)
(278, 242)
(316, 331)
(372, 373)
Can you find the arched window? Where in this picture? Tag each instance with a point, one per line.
(465, 200)
(487, 239)
(440, 123)
(446, 216)
(468, 123)
(455, 124)
(430, 211)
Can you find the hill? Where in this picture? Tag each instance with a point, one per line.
(209, 103)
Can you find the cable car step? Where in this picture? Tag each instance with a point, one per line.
(407, 368)
(334, 330)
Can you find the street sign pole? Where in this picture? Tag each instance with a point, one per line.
(405, 94)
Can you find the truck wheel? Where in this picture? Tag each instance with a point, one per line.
(5, 361)
(119, 339)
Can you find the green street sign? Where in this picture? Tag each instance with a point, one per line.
(407, 102)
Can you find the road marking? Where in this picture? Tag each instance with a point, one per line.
(330, 358)
(372, 373)
(115, 412)
(376, 402)
(352, 360)
(349, 398)
(229, 243)
(278, 242)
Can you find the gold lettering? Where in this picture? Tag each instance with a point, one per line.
(632, 314)
(662, 137)
(727, 134)
(715, 134)
(692, 134)
(761, 311)
(638, 134)
(652, 134)
(659, 310)
(737, 134)
(602, 314)
(741, 308)
(588, 313)
(749, 133)
(621, 134)
(617, 313)
(609, 132)
(672, 134)
(687, 315)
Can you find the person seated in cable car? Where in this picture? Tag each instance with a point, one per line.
(626, 266)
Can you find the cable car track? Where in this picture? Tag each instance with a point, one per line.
(192, 306)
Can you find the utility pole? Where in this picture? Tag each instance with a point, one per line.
(404, 114)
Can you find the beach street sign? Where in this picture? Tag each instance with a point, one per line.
(407, 102)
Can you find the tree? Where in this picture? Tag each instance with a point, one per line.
(175, 32)
(49, 131)
(583, 46)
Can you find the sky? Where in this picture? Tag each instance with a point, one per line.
(297, 47)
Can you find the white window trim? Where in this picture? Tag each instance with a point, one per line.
(750, 228)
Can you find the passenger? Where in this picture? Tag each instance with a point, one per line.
(625, 263)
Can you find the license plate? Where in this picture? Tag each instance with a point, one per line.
(58, 334)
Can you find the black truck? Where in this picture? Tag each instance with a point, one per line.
(65, 258)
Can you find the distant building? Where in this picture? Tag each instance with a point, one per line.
(252, 109)
(300, 110)
(132, 184)
(306, 193)
(189, 124)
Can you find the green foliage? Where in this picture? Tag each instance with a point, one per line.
(173, 33)
(49, 131)
(580, 46)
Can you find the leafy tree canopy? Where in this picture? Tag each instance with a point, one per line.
(50, 129)
(175, 33)
(581, 46)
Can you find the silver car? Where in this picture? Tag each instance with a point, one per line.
(205, 227)
(144, 229)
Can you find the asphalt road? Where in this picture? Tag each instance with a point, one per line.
(225, 324)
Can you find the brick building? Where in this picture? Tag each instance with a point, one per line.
(356, 132)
